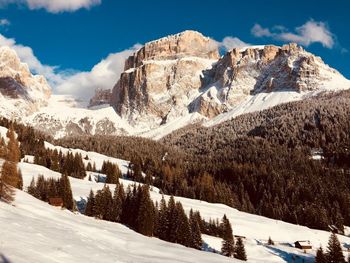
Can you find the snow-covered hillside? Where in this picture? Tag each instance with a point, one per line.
(256, 229)
(33, 231)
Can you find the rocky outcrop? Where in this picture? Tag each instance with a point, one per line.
(20, 91)
(162, 78)
(247, 71)
(185, 44)
(175, 76)
(101, 97)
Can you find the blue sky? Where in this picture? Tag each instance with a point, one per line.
(70, 37)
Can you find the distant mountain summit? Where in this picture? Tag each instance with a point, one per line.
(20, 91)
(181, 78)
(169, 83)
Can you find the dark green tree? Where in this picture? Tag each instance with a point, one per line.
(228, 244)
(196, 232)
(240, 250)
(320, 256)
(334, 252)
(145, 218)
(66, 193)
(90, 205)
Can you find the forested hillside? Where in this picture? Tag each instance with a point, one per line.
(290, 162)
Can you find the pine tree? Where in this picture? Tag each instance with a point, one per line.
(228, 247)
(20, 180)
(66, 193)
(145, 217)
(6, 191)
(172, 219)
(334, 252)
(183, 228)
(320, 256)
(196, 232)
(13, 152)
(240, 250)
(107, 207)
(90, 205)
(118, 197)
(163, 220)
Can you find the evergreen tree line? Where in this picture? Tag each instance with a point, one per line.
(44, 189)
(111, 171)
(333, 253)
(258, 162)
(167, 221)
(69, 164)
(10, 175)
(136, 210)
(229, 247)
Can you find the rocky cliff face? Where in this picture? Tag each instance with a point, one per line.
(101, 97)
(162, 77)
(182, 74)
(20, 91)
(248, 71)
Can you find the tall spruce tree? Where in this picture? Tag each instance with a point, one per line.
(163, 220)
(145, 218)
(90, 205)
(172, 219)
(183, 228)
(66, 192)
(228, 245)
(196, 232)
(240, 250)
(320, 256)
(334, 252)
(118, 198)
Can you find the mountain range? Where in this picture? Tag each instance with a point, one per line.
(169, 83)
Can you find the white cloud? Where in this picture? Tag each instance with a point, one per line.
(307, 34)
(229, 43)
(258, 31)
(79, 84)
(26, 55)
(54, 6)
(103, 75)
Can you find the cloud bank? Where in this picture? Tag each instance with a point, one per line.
(307, 34)
(103, 75)
(230, 42)
(54, 6)
(81, 85)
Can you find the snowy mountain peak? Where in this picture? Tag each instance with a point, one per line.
(185, 44)
(242, 72)
(20, 91)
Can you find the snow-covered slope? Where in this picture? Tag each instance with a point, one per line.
(256, 229)
(33, 231)
(64, 116)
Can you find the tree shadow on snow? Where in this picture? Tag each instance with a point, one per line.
(291, 257)
(4, 259)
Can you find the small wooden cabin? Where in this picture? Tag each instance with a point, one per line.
(56, 201)
(305, 244)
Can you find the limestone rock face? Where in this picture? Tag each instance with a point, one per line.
(20, 91)
(186, 44)
(162, 78)
(101, 97)
(176, 76)
(247, 71)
